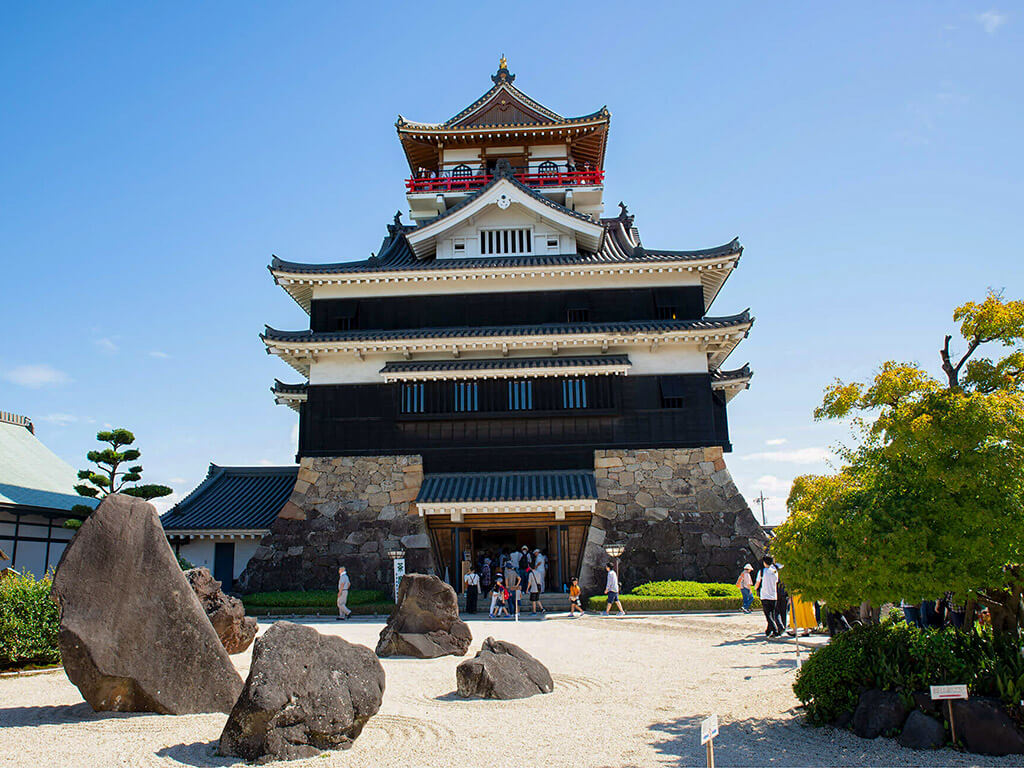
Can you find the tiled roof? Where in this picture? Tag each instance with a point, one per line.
(737, 374)
(233, 498)
(281, 388)
(507, 486)
(544, 329)
(505, 363)
(32, 475)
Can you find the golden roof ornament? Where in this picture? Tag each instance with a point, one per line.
(502, 62)
(502, 75)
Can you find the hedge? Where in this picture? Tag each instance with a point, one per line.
(655, 603)
(686, 589)
(29, 622)
(310, 602)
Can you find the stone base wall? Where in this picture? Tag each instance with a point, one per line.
(678, 514)
(348, 510)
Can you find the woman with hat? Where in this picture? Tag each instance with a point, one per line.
(746, 583)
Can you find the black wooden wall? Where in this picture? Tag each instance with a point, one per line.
(527, 308)
(365, 419)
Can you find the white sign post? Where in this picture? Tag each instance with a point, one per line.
(708, 731)
(399, 573)
(948, 693)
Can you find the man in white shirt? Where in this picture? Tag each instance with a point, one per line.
(344, 583)
(611, 589)
(768, 581)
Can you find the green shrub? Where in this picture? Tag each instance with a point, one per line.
(685, 589)
(658, 603)
(29, 622)
(898, 657)
(314, 598)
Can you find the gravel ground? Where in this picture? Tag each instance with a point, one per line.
(628, 692)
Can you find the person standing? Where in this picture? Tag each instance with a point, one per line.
(540, 565)
(498, 598)
(611, 589)
(486, 576)
(574, 598)
(472, 581)
(746, 583)
(768, 582)
(513, 585)
(524, 564)
(533, 586)
(344, 583)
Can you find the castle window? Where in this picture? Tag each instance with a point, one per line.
(547, 168)
(574, 393)
(672, 392)
(345, 317)
(459, 246)
(520, 395)
(412, 398)
(666, 304)
(467, 396)
(578, 315)
(461, 171)
(552, 244)
(501, 242)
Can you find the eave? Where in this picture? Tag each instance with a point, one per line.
(731, 383)
(505, 368)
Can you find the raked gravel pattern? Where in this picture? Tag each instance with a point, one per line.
(628, 692)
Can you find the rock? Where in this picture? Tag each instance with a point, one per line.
(425, 622)
(305, 693)
(922, 732)
(983, 726)
(227, 614)
(877, 713)
(133, 635)
(924, 702)
(502, 670)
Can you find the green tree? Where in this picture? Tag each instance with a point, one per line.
(110, 476)
(931, 497)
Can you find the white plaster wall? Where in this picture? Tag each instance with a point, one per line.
(346, 368)
(199, 552)
(556, 282)
(515, 217)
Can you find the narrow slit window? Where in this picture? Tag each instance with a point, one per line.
(672, 394)
(520, 395)
(467, 396)
(500, 242)
(574, 393)
(412, 398)
(578, 315)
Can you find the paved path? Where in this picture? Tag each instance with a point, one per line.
(628, 692)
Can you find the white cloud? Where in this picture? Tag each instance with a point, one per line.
(991, 20)
(776, 441)
(164, 504)
(60, 419)
(106, 345)
(157, 353)
(36, 376)
(295, 437)
(812, 455)
(176, 480)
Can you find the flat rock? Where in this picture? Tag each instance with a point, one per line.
(227, 614)
(922, 732)
(305, 693)
(133, 635)
(984, 727)
(502, 670)
(425, 622)
(877, 713)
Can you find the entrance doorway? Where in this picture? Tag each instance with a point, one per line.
(468, 542)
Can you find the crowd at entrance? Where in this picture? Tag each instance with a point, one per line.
(505, 577)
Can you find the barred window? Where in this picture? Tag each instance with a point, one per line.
(579, 315)
(505, 241)
(467, 396)
(461, 171)
(574, 393)
(520, 395)
(412, 398)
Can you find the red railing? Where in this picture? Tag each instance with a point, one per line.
(451, 183)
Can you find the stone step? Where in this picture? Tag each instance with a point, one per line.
(552, 601)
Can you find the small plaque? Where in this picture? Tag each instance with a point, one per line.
(943, 692)
(708, 729)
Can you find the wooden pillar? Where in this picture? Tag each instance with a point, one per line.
(49, 537)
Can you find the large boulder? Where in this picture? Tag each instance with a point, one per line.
(984, 727)
(227, 614)
(425, 622)
(305, 693)
(878, 713)
(133, 635)
(502, 670)
(922, 732)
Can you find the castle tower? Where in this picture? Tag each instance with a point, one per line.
(510, 369)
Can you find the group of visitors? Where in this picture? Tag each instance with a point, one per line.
(944, 612)
(505, 578)
(774, 598)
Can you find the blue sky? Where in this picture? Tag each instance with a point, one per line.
(154, 157)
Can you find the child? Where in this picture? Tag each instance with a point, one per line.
(574, 598)
(498, 599)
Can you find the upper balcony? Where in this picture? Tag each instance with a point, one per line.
(465, 179)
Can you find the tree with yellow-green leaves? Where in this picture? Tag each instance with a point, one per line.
(931, 496)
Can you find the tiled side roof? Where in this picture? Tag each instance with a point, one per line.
(507, 486)
(633, 326)
(396, 255)
(239, 498)
(505, 363)
(282, 388)
(737, 374)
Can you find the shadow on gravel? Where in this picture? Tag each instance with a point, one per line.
(202, 754)
(788, 742)
(64, 714)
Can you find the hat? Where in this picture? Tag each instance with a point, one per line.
(748, 567)
(525, 548)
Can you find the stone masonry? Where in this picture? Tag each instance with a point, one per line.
(347, 510)
(678, 514)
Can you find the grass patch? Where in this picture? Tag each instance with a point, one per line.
(656, 603)
(314, 601)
